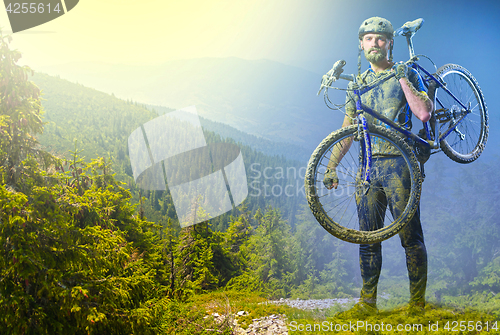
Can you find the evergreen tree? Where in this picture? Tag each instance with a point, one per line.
(20, 111)
(269, 253)
(325, 265)
(74, 258)
(194, 260)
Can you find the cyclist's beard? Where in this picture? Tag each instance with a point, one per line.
(375, 57)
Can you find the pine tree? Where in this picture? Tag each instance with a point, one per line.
(194, 260)
(20, 111)
(75, 259)
(269, 253)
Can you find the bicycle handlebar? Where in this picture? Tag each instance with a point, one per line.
(336, 73)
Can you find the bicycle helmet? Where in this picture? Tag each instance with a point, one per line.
(376, 25)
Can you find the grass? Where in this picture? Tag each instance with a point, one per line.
(438, 319)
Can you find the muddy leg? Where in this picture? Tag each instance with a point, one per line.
(371, 211)
(412, 237)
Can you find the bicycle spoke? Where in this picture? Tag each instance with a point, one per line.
(464, 143)
(345, 170)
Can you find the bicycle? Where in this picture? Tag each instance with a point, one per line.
(458, 127)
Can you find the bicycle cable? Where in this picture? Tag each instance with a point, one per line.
(338, 106)
(430, 60)
(329, 103)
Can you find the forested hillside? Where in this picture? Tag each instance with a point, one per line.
(101, 124)
(260, 97)
(267, 147)
(79, 258)
(459, 218)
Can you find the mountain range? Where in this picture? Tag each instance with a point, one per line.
(259, 97)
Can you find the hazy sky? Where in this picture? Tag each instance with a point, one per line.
(312, 34)
(290, 31)
(154, 31)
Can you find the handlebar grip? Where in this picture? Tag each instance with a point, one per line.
(337, 68)
(333, 74)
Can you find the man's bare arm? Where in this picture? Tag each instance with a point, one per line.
(338, 152)
(419, 102)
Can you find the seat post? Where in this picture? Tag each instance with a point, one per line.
(409, 29)
(410, 44)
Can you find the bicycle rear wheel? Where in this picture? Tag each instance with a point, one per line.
(466, 141)
(337, 209)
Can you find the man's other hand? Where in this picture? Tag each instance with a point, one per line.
(401, 70)
(330, 179)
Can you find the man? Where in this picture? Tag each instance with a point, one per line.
(397, 98)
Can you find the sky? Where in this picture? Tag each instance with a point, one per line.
(154, 31)
(298, 32)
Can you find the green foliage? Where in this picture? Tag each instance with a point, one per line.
(269, 252)
(78, 257)
(187, 318)
(230, 302)
(484, 301)
(20, 115)
(464, 235)
(75, 257)
(195, 255)
(489, 277)
(325, 265)
(101, 124)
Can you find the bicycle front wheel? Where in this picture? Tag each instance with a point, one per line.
(466, 141)
(339, 210)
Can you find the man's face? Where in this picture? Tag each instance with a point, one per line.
(376, 47)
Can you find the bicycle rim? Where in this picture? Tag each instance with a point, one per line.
(337, 209)
(465, 143)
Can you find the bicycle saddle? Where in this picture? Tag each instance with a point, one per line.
(409, 28)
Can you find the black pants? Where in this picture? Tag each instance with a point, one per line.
(390, 187)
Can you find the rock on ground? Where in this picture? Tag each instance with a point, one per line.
(277, 324)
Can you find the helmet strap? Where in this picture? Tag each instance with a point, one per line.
(359, 60)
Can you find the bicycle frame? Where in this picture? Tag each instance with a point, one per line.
(434, 144)
(441, 85)
(430, 142)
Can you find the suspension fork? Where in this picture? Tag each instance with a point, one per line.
(366, 149)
